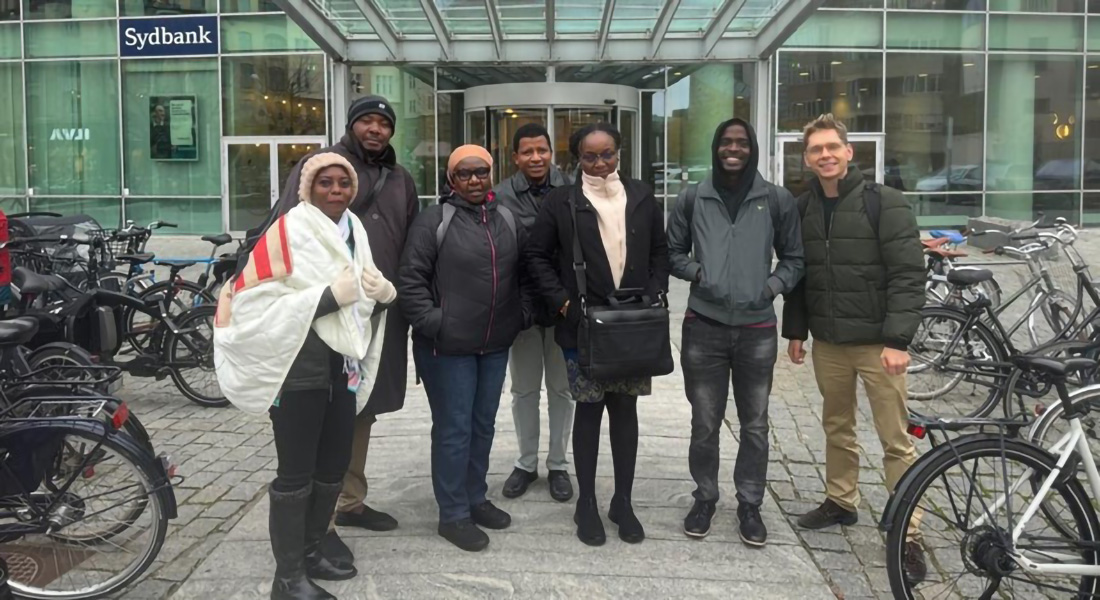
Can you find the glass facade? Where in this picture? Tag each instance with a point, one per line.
(986, 107)
(970, 107)
(85, 130)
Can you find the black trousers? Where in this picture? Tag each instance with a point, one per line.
(313, 433)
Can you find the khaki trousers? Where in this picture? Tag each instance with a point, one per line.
(354, 492)
(836, 369)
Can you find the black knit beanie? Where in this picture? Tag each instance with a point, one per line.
(371, 105)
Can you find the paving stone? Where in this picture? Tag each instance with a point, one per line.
(820, 540)
(199, 528)
(209, 494)
(223, 509)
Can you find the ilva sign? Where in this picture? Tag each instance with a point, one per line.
(171, 36)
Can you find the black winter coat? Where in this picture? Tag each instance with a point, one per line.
(549, 254)
(387, 221)
(467, 297)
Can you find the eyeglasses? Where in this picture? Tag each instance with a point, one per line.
(833, 148)
(591, 159)
(481, 173)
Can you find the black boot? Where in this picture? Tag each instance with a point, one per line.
(589, 525)
(287, 526)
(321, 504)
(622, 514)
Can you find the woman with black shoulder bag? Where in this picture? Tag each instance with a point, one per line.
(599, 255)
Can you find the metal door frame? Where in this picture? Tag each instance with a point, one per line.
(273, 143)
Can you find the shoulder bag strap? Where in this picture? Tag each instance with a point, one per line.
(372, 195)
(579, 266)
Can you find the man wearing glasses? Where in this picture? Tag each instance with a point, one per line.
(861, 298)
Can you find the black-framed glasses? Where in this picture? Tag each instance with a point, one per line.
(591, 159)
(481, 173)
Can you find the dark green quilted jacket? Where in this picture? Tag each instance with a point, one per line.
(859, 288)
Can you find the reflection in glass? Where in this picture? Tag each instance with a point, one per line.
(11, 41)
(848, 29)
(147, 8)
(72, 126)
(274, 95)
(71, 38)
(934, 146)
(450, 136)
(249, 169)
(106, 211)
(1029, 206)
(1034, 110)
(246, 6)
(257, 33)
(195, 216)
(1092, 122)
(68, 9)
(923, 31)
(1092, 208)
(569, 120)
(974, 5)
(504, 124)
(628, 120)
(522, 17)
(652, 143)
(185, 79)
(12, 168)
(289, 156)
(847, 84)
(1040, 6)
(1033, 32)
(797, 176)
(412, 98)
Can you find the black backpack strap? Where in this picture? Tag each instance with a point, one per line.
(372, 196)
(689, 202)
(509, 219)
(872, 204)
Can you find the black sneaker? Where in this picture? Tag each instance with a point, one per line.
(828, 514)
(913, 564)
(697, 523)
(465, 535)
(561, 489)
(753, 532)
(516, 484)
(366, 518)
(489, 516)
(622, 514)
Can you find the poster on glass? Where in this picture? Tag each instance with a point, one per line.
(173, 127)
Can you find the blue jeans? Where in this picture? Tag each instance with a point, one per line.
(713, 355)
(464, 394)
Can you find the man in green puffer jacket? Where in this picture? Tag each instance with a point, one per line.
(861, 298)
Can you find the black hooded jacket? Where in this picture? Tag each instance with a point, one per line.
(724, 247)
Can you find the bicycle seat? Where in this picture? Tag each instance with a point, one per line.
(934, 243)
(968, 277)
(175, 264)
(1059, 367)
(30, 282)
(218, 240)
(135, 259)
(940, 252)
(17, 331)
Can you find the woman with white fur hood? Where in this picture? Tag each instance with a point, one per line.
(293, 338)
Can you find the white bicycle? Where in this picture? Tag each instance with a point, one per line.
(1001, 516)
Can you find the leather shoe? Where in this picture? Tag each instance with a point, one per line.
(517, 483)
(465, 535)
(828, 514)
(561, 489)
(489, 516)
(366, 518)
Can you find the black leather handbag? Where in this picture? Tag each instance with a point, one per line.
(628, 338)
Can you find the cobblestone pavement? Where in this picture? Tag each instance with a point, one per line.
(217, 547)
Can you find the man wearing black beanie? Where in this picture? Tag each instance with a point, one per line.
(386, 204)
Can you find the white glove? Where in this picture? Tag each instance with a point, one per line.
(345, 289)
(376, 286)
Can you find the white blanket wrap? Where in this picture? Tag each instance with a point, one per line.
(265, 315)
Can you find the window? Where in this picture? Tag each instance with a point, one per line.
(140, 8)
(847, 84)
(273, 95)
(414, 133)
(72, 125)
(12, 162)
(278, 33)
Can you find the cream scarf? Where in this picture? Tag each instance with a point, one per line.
(608, 197)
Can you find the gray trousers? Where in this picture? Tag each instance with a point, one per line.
(534, 354)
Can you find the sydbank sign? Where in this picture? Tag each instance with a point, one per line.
(174, 36)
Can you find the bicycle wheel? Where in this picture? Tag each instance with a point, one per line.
(74, 537)
(141, 329)
(190, 355)
(64, 356)
(1053, 318)
(971, 494)
(954, 370)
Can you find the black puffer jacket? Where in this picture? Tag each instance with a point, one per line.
(466, 297)
(312, 368)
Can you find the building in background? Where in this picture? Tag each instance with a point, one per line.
(195, 111)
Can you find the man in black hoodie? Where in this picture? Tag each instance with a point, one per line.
(386, 204)
(720, 237)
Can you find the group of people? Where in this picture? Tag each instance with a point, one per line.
(314, 328)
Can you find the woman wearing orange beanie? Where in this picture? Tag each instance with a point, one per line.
(459, 285)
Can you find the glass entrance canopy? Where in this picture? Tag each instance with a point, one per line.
(548, 31)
